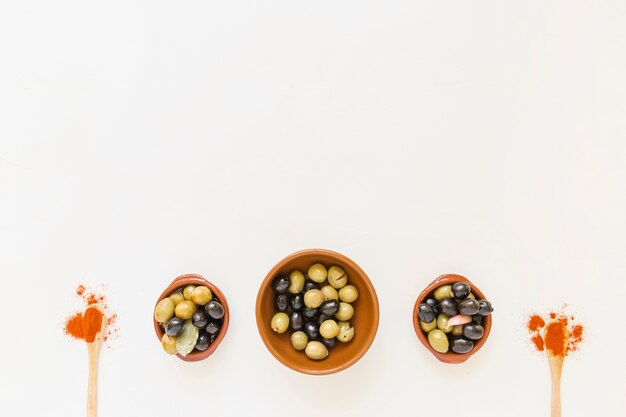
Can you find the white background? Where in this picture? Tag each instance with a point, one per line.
(140, 140)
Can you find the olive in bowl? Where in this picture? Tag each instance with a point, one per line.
(191, 318)
(332, 315)
(452, 318)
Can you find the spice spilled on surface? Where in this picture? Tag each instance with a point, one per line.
(85, 325)
(560, 336)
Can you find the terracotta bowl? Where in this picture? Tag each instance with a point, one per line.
(194, 279)
(365, 320)
(450, 357)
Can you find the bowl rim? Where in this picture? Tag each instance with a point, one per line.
(375, 313)
(451, 358)
(182, 281)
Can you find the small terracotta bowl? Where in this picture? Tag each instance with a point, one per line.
(183, 281)
(365, 320)
(450, 357)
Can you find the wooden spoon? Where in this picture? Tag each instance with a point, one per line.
(93, 348)
(556, 366)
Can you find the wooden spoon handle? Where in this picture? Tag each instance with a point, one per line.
(92, 383)
(556, 366)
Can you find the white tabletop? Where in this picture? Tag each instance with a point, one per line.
(140, 140)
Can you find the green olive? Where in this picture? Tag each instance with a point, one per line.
(346, 332)
(337, 277)
(426, 327)
(471, 297)
(296, 282)
(313, 298)
(438, 341)
(442, 323)
(329, 329)
(349, 294)
(280, 322)
(329, 293)
(345, 312)
(445, 291)
(185, 309)
(177, 298)
(316, 351)
(317, 272)
(187, 292)
(164, 310)
(299, 340)
(201, 295)
(169, 344)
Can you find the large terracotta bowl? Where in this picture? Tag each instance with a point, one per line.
(364, 321)
(181, 282)
(450, 357)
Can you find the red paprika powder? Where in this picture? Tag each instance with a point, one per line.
(535, 323)
(74, 326)
(538, 342)
(555, 337)
(86, 325)
(559, 336)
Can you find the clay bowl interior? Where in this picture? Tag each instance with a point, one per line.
(450, 357)
(365, 320)
(179, 283)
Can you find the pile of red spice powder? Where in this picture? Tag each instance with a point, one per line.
(559, 336)
(85, 325)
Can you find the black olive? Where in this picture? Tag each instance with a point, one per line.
(296, 302)
(321, 319)
(174, 327)
(330, 307)
(203, 342)
(434, 304)
(425, 313)
(200, 318)
(310, 285)
(312, 330)
(212, 328)
(485, 308)
(329, 343)
(477, 319)
(281, 302)
(473, 331)
(449, 307)
(468, 307)
(296, 319)
(310, 313)
(281, 284)
(461, 290)
(461, 345)
(214, 309)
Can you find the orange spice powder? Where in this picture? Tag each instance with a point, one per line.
(535, 323)
(576, 336)
(80, 290)
(74, 326)
(86, 325)
(92, 323)
(559, 336)
(555, 337)
(538, 342)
